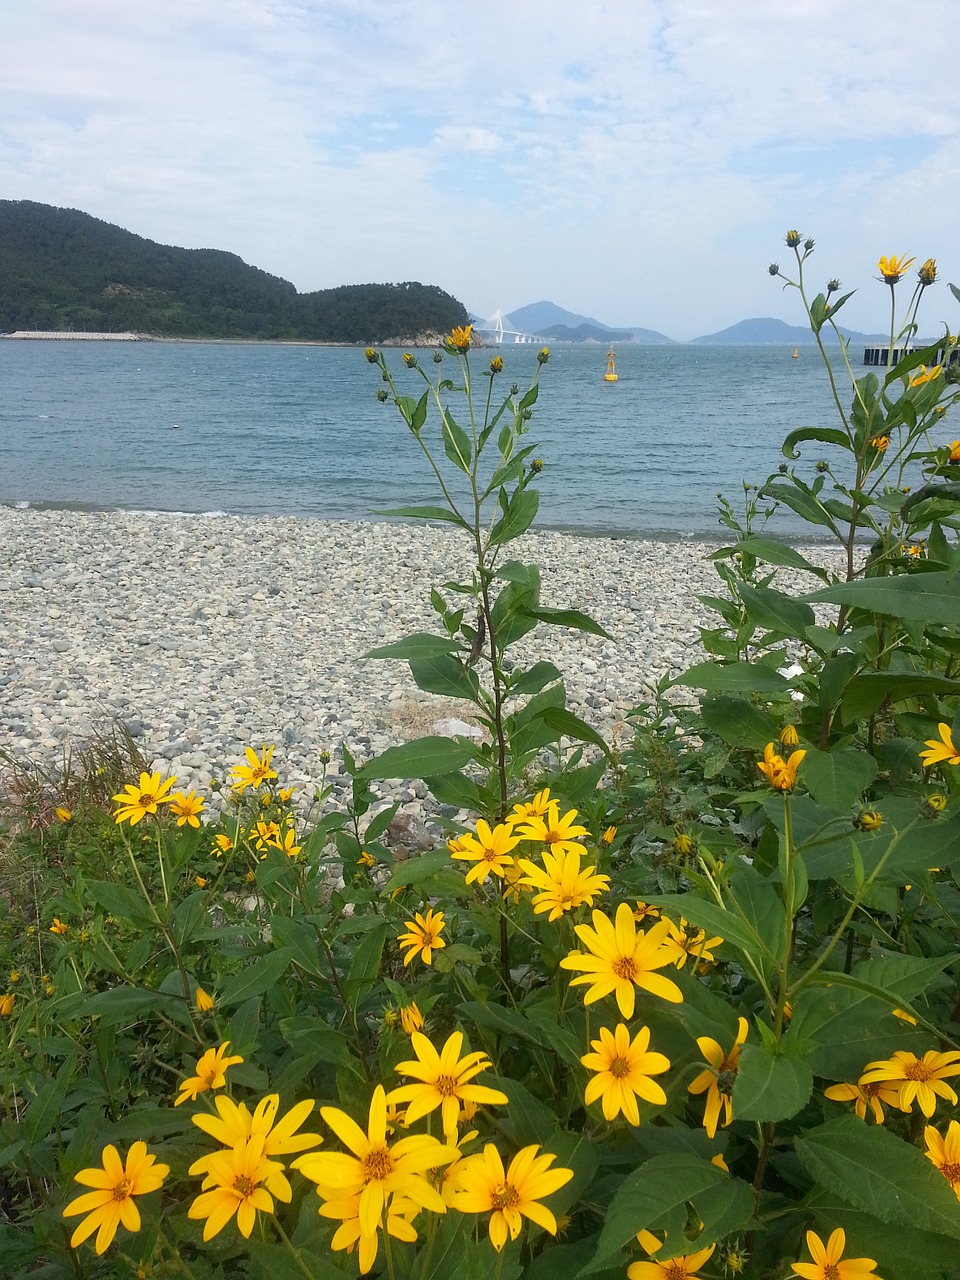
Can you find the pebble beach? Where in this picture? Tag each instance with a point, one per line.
(206, 634)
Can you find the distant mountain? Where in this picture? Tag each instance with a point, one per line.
(768, 332)
(61, 269)
(547, 320)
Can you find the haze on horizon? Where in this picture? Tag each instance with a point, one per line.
(638, 163)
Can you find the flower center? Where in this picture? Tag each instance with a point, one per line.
(619, 1067)
(675, 1270)
(122, 1190)
(952, 1173)
(918, 1071)
(243, 1185)
(377, 1164)
(147, 798)
(624, 967)
(490, 855)
(726, 1077)
(831, 1271)
(447, 1086)
(505, 1197)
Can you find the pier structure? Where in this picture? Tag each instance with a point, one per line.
(878, 355)
(70, 335)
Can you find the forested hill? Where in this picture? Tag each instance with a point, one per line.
(63, 269)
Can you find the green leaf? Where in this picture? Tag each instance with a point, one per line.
(822, 435)
(519, 516)
(256, 978)
(837, 779)
(426, 513)
(365, 966)
(456, 443)
(44, 1109)
(738, 722)
(922, 597)
(733, 677)
(121, 1003)
(524, 1118)
(777, 553)
(301, 940)
(446, 675)
(565, 722)
(119, 901)
(770, 1086)
(716, 920)
(311, 1037)
(421, 758)
(421, 871)
(419, 645)
(655, 1194)
(776, 611)
(867, 692)
(534, 679)
(878, 1172)
(504, 1021)
(570, 618)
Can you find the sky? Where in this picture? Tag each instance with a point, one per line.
(636, 161)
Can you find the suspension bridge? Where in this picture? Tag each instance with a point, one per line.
(500, 329)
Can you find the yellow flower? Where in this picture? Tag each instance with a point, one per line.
(423, 937)
(232, 1186)
(367, 859)
(782, 774)
(349, 1236)
(460, 338)
(14, 975)
(564, 885)
(954, 451)
(788, 736)
(828, 1261)
(59, 927)
(254, 772)
(922, 1079)
(203, 1002)
(560, 833)
(671, 1268)
(411, 1019)
(63, 814)
(621, 960)
(868, 820)
(376, 1171)
(111, 1203)
(928, 272)
(488, 850)
(622, 1070)
(496, 364)
(234, 1124)
(683, 844)
(200, 882)
(644, 911)
(210, 1073)
(509, 1196)
(223, 845)
(6, 1004)
(265, 835)
(945, 1153)
(534, 808)
(287, 843)
(863, 1095)
(137, 801)
(891, 269)
(444, 1082)
(685, 939)
(904, 1016)
(926, 375)
(718, 1080)
(936, 802)
(880, 443)
(609, 835)
(940, 752)
(793, 238)
(186, 808)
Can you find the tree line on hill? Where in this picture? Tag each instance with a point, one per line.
(61, 269)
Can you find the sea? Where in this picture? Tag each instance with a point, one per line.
(297, 430)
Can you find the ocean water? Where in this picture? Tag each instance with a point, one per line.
(297, 430)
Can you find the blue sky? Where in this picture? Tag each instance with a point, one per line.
(634, 160)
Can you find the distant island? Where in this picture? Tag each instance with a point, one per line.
(63, 270)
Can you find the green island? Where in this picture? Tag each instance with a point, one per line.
(62, 270)
(679, 1005)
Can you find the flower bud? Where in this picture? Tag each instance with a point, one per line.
(543, 355)
(409, 360)
(536, 466)
(788, 736)
(822, 466)
(774, 268)
(808, 243)
(437, 357)
(928, 272)
(833, 286)
(793, 239)
(382, 395)
(496, 364)
(371, 355)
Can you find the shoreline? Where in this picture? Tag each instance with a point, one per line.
(208, 634)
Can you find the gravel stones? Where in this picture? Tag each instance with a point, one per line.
(206, 634)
